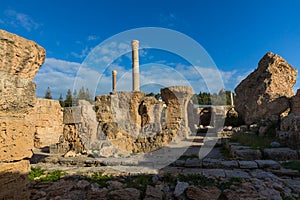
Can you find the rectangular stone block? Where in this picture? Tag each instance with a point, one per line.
(17, 95)
(236, 174)
(16, 139)
(280, 154)
(72, 115)
(248, 164)
(14, 180)
(268, 164)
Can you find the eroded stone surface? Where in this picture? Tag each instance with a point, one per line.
(19, 56)
(17, 95)
(295, 104)
(20, 60)
(177, 99)
(266, 91)
(47, 116)
(16, 139)
(289, 134)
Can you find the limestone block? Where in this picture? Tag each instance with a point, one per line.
(16, 139)
(19, 56)
(14, 180)
(17, 95)
(246, 154)
(266, 91)
(47, 117)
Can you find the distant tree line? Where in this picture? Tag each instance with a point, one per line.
(206, 98)
(203, 98)
(71, 99)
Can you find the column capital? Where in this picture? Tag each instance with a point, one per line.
(135, 44)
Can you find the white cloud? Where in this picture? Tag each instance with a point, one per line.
(61, 75)
(107, 53)
(16, 19)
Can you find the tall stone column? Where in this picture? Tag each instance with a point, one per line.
(114, 80)
(135, 66)
(231, 98)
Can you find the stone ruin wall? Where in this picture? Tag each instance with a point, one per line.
(20, 60)
(289, 132)
(125, 122)
(47, 116)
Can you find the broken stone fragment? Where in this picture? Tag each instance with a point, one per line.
(267, 90)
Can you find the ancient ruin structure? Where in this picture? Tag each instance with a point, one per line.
(114, 80)
(266, 91)
(290, 125)
(125, 122)
(20, 60)
(47, 116)
(79, 129)
(177, 99)
(135, 66)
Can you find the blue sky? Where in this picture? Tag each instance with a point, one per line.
(236, 34)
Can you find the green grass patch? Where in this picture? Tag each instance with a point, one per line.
(53, 176)
(35, 173)
(253, 140)
(39, 174)
(100, 178)
(294, 164)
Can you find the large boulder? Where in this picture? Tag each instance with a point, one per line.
(267, 90)
(19, 56)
